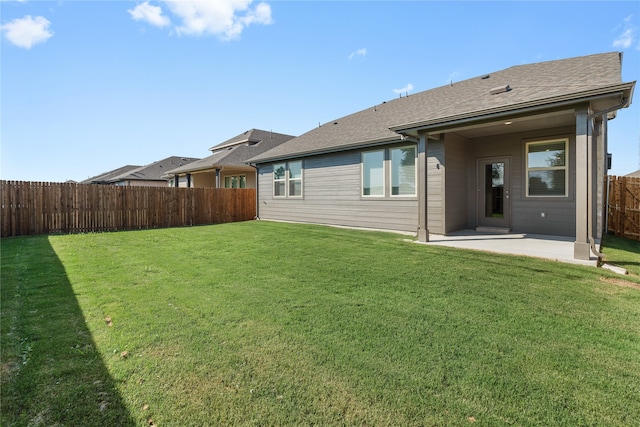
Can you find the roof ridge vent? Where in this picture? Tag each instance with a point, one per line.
(500, 89)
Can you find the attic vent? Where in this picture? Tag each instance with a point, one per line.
(500, 89)
(485, 77)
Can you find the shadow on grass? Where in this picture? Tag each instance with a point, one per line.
(622, 252)
(52, 372)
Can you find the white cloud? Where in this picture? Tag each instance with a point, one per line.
(407, 88)
(150, 14)
(26, 32)
(360, 52)
(628, 35)
(224, 18)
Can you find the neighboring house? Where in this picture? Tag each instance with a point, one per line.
(523, 149)
(150, 175)
(227, 166)
(635, 174)
(106, 176)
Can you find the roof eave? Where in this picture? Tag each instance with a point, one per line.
(177, 171)
(308, 153)
(624, 89)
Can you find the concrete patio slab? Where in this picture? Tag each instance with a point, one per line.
(554, 248)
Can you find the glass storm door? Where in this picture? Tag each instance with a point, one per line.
(494, 205)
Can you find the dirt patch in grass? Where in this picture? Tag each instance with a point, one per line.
(620, 282)
(8, 370)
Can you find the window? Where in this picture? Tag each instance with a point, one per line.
(547, 174)
(235, 181)
(401, 178)
(287, 179)
(373, 173)
(403, 171)
(295, 179)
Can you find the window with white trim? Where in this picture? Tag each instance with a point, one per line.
(279, 179)
(401, 179)
(235, 181)
(403, 171)
(547, 170)
(287, 179)
(373, 173)
(295, 179)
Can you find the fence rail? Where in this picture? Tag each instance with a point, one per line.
(624, 207)
(44, 208)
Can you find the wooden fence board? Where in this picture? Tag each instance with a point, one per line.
(624, 207)
(42, 208)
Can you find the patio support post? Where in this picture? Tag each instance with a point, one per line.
(217, 178)
(581, 247)
(423, 231)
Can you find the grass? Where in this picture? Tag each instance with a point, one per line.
(263, 323)
(623, 253)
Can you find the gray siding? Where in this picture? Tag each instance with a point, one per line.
(435, 187)
(332, 185)
(525, 211)
(456, 183)
(331, 195)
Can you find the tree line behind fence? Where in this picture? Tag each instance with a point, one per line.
(46, 208)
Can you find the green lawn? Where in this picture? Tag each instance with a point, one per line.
(624, 253)
(263, 323)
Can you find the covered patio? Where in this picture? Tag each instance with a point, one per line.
(555, 248)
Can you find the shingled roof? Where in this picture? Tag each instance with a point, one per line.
(237, 150)
(512, 89)
(154, 171)
(104, 178)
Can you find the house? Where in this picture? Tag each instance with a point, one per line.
(227, 166)
(635, 174)
(150, 175)
(520, 150)
(104, 178)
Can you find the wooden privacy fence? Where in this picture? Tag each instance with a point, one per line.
(42, 208)
(623, 208)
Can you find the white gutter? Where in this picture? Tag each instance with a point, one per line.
(626, 101)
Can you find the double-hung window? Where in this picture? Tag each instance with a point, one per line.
(547, 171)
(287, 179)
(389, 172)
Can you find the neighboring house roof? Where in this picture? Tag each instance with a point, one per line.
(154, 171)
(237, 150)
(515, 88)
(635, 174)
(106, 176)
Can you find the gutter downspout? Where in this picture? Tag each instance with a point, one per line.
(624, 104)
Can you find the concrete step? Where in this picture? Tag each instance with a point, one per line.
(493, 230)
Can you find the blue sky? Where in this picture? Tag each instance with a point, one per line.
(89, 86)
